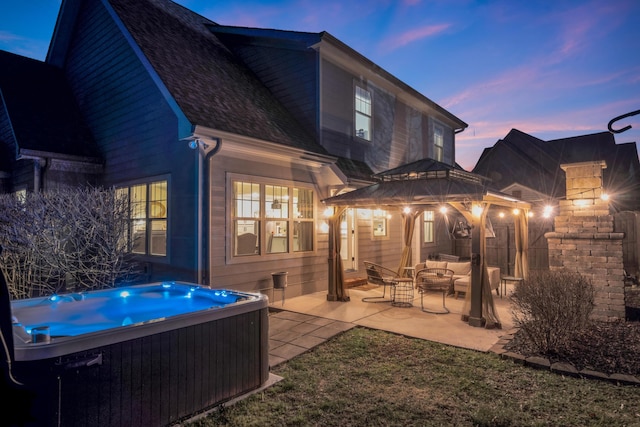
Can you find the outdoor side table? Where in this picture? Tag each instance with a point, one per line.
(503, 283)
(434, 279)
(404, 292)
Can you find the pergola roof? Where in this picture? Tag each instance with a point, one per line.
(425, 182)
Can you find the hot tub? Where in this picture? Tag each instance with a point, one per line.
(146, 355)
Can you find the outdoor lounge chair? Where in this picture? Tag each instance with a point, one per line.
(434, 279)
(381, 276)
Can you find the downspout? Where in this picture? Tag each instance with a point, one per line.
(202, 206)
(38, 165)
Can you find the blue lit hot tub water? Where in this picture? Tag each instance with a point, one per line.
(77, 314)
(150, 354)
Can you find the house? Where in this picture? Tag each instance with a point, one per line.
(530, 169)
(226, 139)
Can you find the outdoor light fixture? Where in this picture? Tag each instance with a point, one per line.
(516, 211)
(547, 211)
(443, 210)
(476, 210)
(406, 209)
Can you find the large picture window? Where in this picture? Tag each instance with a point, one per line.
(148, 215)
(363, 113)
(271, 219)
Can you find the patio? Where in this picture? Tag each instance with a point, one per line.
(308, 320)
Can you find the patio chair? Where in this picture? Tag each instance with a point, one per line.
(434, 279)
(381, 276)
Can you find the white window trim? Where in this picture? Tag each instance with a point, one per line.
(262, 255)
(356, 112)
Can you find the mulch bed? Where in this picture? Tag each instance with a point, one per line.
(608, 347)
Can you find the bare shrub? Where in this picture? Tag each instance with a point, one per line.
(64, 240)
(551, 307)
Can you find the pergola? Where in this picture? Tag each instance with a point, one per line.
(421, 185)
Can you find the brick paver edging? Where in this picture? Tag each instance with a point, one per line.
(561, 368)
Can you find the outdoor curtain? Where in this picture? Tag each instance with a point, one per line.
(489, 312)
(521, 226)
(336, 279)
(408, 225)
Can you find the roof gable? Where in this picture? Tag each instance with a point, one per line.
(210, 85)
(42, 112)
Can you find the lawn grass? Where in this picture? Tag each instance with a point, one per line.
(369, 377)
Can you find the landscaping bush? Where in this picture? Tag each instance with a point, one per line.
(551, 307)
(64, 240)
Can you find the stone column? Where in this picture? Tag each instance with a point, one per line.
(584, 240)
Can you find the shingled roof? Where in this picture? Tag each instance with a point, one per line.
(211, 86)
(43, 115)
(534, 163)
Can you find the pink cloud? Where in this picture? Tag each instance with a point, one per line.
(412, 36)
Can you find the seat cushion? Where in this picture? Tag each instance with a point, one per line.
(435, 264)
(459, 268)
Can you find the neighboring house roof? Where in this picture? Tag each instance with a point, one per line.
(42, 114)
(210, 85)
(535, 164)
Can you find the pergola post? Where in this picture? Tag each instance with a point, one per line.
(475, 312)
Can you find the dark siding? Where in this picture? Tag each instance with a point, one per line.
(307, 273)
(401, 134)
(134, 127)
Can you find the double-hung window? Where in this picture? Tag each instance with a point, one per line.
(438, 143)
(271, 218)
(379, 223)
(148, 204)
(428, 227)
(363, 113)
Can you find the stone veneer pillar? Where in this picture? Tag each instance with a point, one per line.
(584, 240)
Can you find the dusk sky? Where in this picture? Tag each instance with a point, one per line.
(552, 69)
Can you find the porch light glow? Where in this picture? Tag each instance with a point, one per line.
(501, 214)
(604, 196)
(406, 209)
(324, 227)
(530, 214)
(476, 210)
(547, 211)
(328, 212)
(443, 210)
(516, 211)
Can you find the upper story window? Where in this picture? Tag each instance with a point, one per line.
(363, 113)
(271, 219)
(148, 217)
(438, 143)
